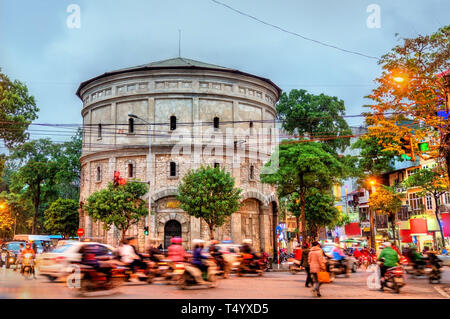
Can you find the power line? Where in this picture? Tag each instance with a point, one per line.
(293, 33)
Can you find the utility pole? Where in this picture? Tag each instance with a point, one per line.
(371, 218)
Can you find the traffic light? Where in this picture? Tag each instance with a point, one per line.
(116, 178)
(423, 147)
(407, 147)
(146, 230)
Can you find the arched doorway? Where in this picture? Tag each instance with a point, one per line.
(171, 229)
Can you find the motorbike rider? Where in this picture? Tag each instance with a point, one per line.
(390, 259)
(176, 252)
(198, 257)
(28, 250)
(153, 252)
(129, 256)
(89, 255)
(217, 254)
(340, 257)
(416, 258)
(19, 256)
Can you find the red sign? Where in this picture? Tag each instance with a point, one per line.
(445, 221)
(80, 232)
(352, 229)
(418, 226)
(405, 235)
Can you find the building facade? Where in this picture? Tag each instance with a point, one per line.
(155, 122)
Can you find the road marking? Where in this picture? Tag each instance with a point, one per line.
(442, 292)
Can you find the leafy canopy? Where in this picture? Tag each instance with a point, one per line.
(62, 217)
(314, 116)
(121, 206)
(209, 193)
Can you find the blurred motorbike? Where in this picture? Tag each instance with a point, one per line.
(250, 265)
(92, 279)
(340, 267)
(294, 266)
(193, 276)
(435, 265)
(27, 268)
(393, 278)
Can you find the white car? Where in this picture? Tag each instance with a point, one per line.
(58, 263)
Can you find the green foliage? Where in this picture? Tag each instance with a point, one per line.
(62, 217)
(373, 158)
(19, 208)
(320, 210)
(432, 181)
(17, 110)
(319, 116)
(302, 168)
(209, 193)
(121, 206)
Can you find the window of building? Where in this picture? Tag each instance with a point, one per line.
(98, 174)
(415, 203)
(446, 197)
(131, 125)
(412, 171)
(216, 122)
(252, 172)
(216, 165)
(173, 169)
(429, 201)
(130, 170)
(403, 214)
(99, 130)
(173, 123)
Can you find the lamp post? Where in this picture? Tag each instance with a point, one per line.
(149, 162)
(372, 183)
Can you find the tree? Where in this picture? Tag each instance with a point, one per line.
(386, 201)
(67, 178)
(20, 208)
(6, 219)
(36, 176)
(121, 206)
(319, 210)
(433, 182)
(209, 193)
(62, 217)
(17, 110)
(315, 116)
(303, 166)
(410, 99)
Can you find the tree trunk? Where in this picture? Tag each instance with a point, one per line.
(303, 218)
(297, 220)
(211, 232)
(436, 212)
(36, 201)
(122, 237)
(393, 229)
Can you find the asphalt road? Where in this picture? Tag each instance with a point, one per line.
(273, 285)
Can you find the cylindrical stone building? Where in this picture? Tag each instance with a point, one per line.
(183, 112)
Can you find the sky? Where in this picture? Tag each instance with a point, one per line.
(38, 47)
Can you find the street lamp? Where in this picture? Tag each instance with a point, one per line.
(149, 161)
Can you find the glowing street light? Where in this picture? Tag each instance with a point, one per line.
(399, 79)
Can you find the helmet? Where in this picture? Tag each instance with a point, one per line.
(28, 245)
(214, 242)
(176, 240)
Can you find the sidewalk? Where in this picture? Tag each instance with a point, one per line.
(279, 268)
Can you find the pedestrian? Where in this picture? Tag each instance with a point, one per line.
(304, 263)
(317, 264)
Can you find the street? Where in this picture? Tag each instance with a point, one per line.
(273, 285)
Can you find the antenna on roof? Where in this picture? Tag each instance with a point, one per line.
(179, 43)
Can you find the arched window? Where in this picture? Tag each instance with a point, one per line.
(173, 169)
(173, 123)
(99, 130)
(131, 125)
(216, 122)
(252, 172)
(98, 174)
(130, 170)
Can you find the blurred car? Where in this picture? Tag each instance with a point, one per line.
(13, 248)
(352, 262)
(59, 262)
